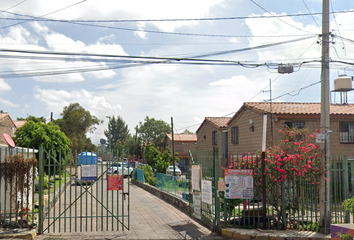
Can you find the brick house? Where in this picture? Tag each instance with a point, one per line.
(183, 143)
(213, 133)
(246, 126)
(7, 125)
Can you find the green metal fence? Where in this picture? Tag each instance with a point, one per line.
(209, 165)
(176, 186)
(291, 204)
(74, 193)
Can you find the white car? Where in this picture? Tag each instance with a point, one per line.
(177, 170)
(120, 169)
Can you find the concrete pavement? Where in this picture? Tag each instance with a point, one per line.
(150, 218)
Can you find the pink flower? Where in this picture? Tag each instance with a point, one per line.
(317, 130)
(312, 136)
(286, 140)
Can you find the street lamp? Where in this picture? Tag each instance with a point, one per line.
(109, 134)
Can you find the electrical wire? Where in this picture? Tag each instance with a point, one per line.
(31, 18)
(311, 14)
(171, 33)
(335, 20)
(278, 17)
(297, 90)
(42, 15)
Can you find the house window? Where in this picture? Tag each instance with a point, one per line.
(215, 137)
(179, 147)
(298, 125)
(346, 132)
(234, 135)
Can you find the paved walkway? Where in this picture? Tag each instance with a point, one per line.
(150, 218)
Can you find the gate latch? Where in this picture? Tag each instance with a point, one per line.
(126, 193)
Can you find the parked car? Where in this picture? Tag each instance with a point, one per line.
(177, 170)
(99, 159)
(120, 169)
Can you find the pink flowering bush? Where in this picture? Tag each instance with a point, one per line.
(290, 166)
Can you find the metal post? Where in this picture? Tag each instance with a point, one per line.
(40, 194)
(325, 108)
(173, 149)
(264, 184)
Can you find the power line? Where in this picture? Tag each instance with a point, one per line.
(39, 19)
(297, 91)
(312, 15)
(278, 17)
(42, 15)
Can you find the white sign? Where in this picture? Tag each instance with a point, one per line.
(320, 138)
(207, 192)
(239, 183)
(89, 172)
(196, 177)
(196, 205)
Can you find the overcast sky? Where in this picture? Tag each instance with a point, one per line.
(186, 92)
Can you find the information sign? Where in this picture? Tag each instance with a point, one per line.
(196, 205)
(239, 183)
(114, 182)
(89, 172)
(207, 194)
(196, 177)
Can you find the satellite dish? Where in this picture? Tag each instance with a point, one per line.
(102, 141)
(9, 140)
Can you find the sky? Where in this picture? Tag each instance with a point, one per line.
(50, 49)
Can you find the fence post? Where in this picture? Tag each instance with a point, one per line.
(283, 204)
(217, 199)
(40, 194)
(346, 184)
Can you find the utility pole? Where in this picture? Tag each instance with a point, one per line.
(173, 149)
(109, 137)
(136, 133)
(325, 217)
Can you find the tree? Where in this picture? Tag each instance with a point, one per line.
(187, 132)
(49, 136)
(32, 118)
(153, 131)
(118, 130)
(75, 123)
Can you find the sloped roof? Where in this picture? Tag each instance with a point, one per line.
(183, 137)
(19, 124)
(299, 108)
(3, 115)
(219, 122)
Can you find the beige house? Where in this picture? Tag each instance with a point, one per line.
(7, 125)
(212, 133)
(183, 143)
(245, 127)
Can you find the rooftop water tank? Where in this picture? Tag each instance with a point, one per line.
(343, 83)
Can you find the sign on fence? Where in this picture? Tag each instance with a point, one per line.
(239, 183)
(196, 177)
(197, 205)
(114, 182)
(207, 192)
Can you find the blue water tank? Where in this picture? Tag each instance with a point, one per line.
(87, 158)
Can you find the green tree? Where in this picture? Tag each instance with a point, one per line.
(187, 132)
(133, 146)
(153, 131)
(75, 123)
(49, 136)
(32, 118)
(118, 130)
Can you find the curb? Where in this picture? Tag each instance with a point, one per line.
(21, 234)
(248, 234)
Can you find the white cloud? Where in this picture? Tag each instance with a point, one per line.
(55, 100)
(4, 86)
(8, 103)
(234, 81)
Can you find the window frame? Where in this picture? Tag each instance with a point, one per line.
(235, 135)
(214, 137)
(349, 129)
(295, 124)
